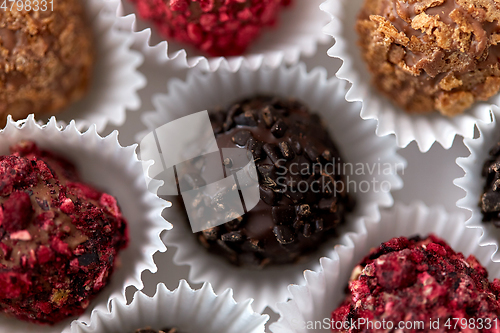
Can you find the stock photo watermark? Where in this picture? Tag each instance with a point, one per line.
(219, 185)
(349, 173)
(27, 5)
(365, 324)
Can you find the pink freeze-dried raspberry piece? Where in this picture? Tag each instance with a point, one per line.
(17, 211)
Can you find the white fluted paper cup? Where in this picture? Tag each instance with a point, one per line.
(324, 289)
(354, 137)
(473, 182)
(297, 33)
(424, 129)
(115, 78)
(104, 163)
(188, 310)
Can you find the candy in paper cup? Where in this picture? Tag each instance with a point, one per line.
(115, 79)
(354, 137)
(186, 309)
(105, 164)
(473, 182)
(324, 289)
(297, 33)
(424, 129)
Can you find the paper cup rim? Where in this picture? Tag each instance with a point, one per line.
(303, 47)
(298, 82)
(78, 146)
(164, 303)
(335, 271)
(425, 130)
(116, 78)
(473, 182)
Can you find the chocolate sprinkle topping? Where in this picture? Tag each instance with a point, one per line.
(300, 207)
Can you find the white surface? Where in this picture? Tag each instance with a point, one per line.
(428, 177)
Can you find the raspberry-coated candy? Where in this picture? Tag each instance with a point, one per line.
(59, 237)
(217, 27)
(418, 280)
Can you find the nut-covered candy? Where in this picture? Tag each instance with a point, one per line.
(432, 55)
(46, 57)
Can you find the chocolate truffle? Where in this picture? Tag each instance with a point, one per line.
(490, 200)
(59, 237)
(217, 27)
(46, 58)
(303, 192)
(418, 280)
(432, 55)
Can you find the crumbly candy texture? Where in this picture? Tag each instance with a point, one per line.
(428, 55)
(302, 200)
(490, 199)
(216, 27)
(59, 237)
(46, 59)
(417, 279)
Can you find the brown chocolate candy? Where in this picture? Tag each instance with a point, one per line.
(46, 58)
(303, 197)
(432, 55)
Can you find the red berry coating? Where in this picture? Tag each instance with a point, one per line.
(417, 281)
(217, 27)
(17, 212)
(59, 238)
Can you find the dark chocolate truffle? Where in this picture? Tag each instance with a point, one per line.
(46, 57)
(217, 27)
(303, 193)
(59, 237)
(432, 55)
(416, 281)
(490, 200)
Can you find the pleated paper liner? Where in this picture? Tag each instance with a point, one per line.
(188, 310)
(354, 137)
(116, 78)
(473, 182)
(105, 164)
(323, 289)
(297, 33)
